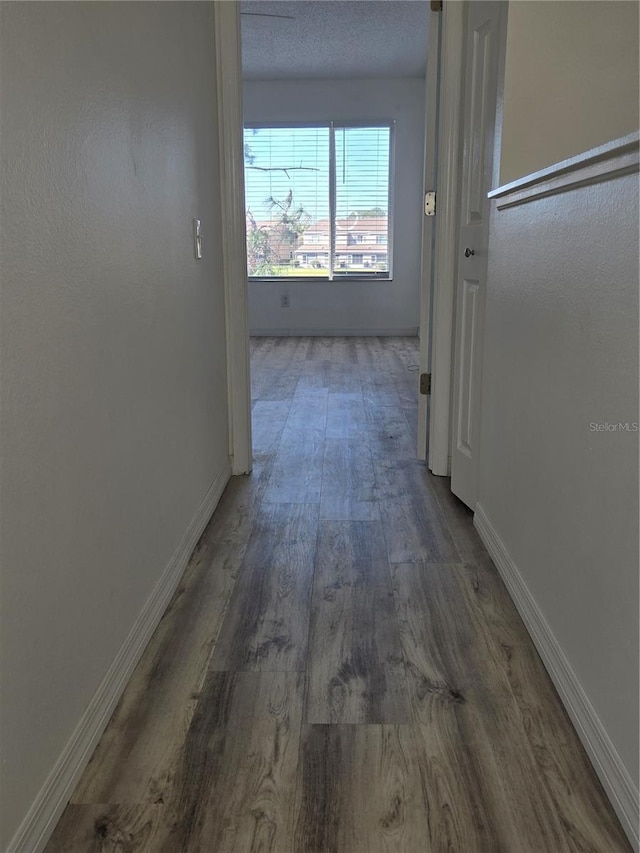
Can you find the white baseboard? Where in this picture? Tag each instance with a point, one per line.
(607, 763)
(408, 332)
(41, 819)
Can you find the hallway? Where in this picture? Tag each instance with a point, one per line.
(341, 669)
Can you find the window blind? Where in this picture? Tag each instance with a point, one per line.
(317, 201)
(287, 200)
(361, 222)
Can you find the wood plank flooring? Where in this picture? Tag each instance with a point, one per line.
(341, 669)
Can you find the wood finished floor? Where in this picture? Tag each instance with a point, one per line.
(341, 669)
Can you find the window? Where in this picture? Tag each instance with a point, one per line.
(314, 192)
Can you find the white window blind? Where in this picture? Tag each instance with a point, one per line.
(318, 201)
(287, 197)
(361, 222)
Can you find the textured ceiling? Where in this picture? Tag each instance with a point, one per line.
(334, 38)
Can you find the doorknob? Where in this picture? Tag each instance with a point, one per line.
(469, 252)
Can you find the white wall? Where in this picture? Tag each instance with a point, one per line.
(350, 306)
(114, 421)
(571, 80)
(561, 353)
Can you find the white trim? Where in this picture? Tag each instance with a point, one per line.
(446, 249)
(405, 332)
(607, 763)
(234, 249)
(40, 821)
(391, 200)
(332, 201)
(428, 222)
(615, 158)
(339, 278)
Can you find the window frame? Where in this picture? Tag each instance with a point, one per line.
(334, 275)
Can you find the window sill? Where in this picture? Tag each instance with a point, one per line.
(312, 278)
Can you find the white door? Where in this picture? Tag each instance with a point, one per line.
(428, 225)
(480, 90)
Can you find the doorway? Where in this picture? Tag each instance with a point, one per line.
(347, 262)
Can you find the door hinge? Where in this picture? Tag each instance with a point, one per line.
(425, 383)
(436, 5)
(430, 203)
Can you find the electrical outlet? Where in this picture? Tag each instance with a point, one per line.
(284, 300)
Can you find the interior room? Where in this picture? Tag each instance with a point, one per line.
(357, 64)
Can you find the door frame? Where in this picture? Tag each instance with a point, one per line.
(226, 21)
(432, 83)
(454, 15)
(230, 135)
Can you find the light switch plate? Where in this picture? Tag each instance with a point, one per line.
(197, 239)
